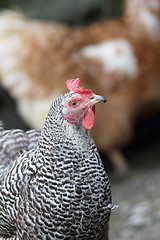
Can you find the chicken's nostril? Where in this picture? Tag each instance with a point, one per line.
(91, 97)
(98, 98)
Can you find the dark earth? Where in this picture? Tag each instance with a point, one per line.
(138, 196)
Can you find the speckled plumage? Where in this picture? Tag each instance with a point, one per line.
(13, 142)
(59, 190)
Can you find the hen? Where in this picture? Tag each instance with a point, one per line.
(119, 58)
(59, 189)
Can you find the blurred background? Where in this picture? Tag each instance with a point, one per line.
(72, 12)
(137, 192)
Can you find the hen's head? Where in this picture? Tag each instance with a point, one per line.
(79, 104)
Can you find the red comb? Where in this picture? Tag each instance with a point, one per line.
(73, 86)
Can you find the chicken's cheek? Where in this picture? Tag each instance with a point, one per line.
(88, 120)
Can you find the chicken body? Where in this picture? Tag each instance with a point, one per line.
(118, 58)
(13, 143)
(59, 190)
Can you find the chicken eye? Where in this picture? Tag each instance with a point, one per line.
(74, 104)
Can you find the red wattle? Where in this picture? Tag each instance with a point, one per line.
(88, 120)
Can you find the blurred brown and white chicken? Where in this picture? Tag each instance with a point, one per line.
(118, 58)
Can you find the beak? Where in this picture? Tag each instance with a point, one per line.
(96, 99)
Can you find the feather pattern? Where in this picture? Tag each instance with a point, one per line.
(59, 189)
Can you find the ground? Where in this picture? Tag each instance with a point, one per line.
(138, 197)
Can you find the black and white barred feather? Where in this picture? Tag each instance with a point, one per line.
(59, 188)
(13, 142)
